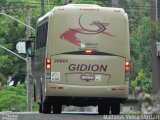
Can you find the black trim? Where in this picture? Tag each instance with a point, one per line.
(83, 101)
(93, 53)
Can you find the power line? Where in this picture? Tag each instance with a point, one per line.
(34, 6)
(39, 3)
(33, 3)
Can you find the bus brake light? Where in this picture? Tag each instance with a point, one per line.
(48, 64)
(88, 52)
(127, 66)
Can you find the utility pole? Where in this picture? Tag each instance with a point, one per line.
(158, 8)
(155, 60)
(114, 3)
(28, 69)
(28, 33)
(42, 8)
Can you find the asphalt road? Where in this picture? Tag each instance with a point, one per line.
(37, 116)
(70, 116)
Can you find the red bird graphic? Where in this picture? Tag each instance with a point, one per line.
(70, 34)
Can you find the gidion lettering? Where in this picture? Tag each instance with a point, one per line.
(85, 67)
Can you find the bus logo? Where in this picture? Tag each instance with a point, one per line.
(70, 34)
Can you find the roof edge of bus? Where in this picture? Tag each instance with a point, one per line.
(89, 6)
(81, 5)
(43, 17)
(76, 5)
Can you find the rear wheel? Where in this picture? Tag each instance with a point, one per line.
(115, 108)
(35, 93)
(46, 107)
(57, 109)
(40, 108)
(103, 109)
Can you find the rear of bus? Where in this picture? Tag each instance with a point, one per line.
(88, 56)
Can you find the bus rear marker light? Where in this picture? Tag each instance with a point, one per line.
(48, 64)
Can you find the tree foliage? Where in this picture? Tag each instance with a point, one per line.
(155, 30)
(10, 34)
(140, 48)
(141, 81)
(2, 81)
(88, 2)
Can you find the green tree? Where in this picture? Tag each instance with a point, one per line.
(141, 81)
(155, 30)
(140, 48)
(11, 32)
(141, 56)
(88, 2)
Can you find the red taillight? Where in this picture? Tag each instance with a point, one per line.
(127, 66)
(88, 51)
(48, 64)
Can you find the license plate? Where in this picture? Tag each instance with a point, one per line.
(88, 77)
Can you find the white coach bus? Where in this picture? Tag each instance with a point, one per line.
(82, 58)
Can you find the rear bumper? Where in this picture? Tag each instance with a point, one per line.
(84, 101)
(116, 91)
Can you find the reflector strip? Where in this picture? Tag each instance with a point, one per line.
(114, 89)
(121, 89)
(53, 87)
(60, 87)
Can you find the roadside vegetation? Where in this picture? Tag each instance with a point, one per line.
(13, 98)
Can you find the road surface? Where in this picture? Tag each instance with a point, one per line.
(71, 116)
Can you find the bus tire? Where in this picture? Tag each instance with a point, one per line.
(103, 109)
(41, 100)
(115, 108)
(46, 107)
(35, 92)
(57, 109)
(40, 108)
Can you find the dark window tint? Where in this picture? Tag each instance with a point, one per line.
(41, 37)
